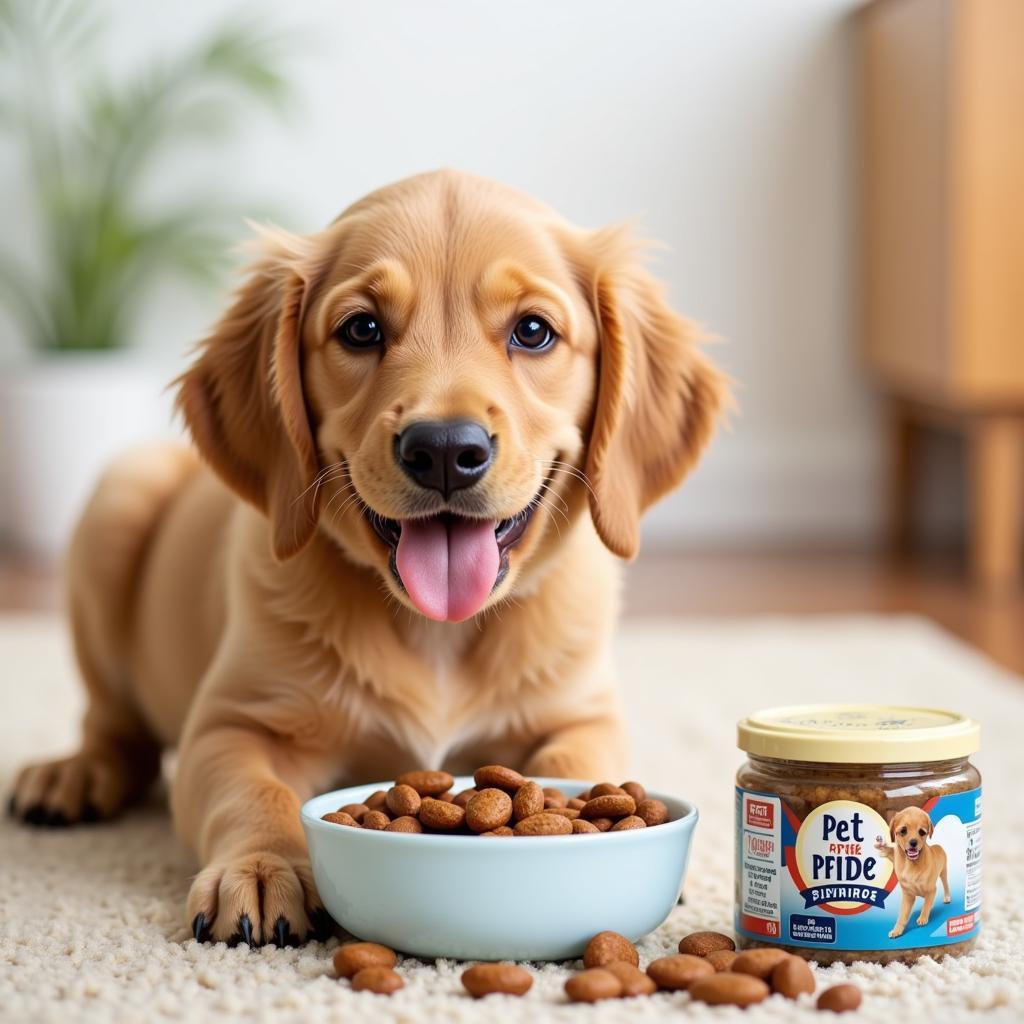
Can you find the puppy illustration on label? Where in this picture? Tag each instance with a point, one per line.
(917, 864)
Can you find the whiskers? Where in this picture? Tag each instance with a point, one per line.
(555, 466)
(330, 472)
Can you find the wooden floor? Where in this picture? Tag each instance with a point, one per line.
(746, 583)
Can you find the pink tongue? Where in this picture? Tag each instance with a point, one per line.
(448, 567)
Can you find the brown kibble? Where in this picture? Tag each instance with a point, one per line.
(654, 812)
(341, 818)
(601, 824)
(554, 797)
(376, 821)
(721, 959)
(579, 826)
(592, 985)
(728, 989)
(426, 783)
(565, 812)
(840, 998)
(702, 943)
(529, 799)
(486, 979)
(406, 823)
(381, 980)
(677, 972)
(626, 824)
(606, 789)
(440, 815)
(612, 806)
(463, 798)
(576, 803)
(544, 824)
(496, 776)
(635, 790)
(355, 810)
(488, 809)
(354, 956)
(376, 801)
(634, 982)
(501, 830)
(759, 962)
(403, 800)
(791, 977)
(448, 797)
(607, 947)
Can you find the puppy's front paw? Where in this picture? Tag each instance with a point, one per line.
(563, 761)
(895, 933)
(947, 898)
(257, 898)
(922, 919)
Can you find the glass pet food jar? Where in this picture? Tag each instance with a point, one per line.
(858, 833)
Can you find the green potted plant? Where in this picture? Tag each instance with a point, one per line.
(91, 151)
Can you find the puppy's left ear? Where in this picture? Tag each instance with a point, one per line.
(658, 396)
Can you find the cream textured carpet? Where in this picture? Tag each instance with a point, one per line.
(91, 921)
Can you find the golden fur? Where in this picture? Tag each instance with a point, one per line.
(919, 873)
(266, 637)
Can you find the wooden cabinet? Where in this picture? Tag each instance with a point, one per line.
(942, 246)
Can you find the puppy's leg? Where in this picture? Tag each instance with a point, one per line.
(926, 908)
(591, 749)
(944, 875)
(906, 906)
(235, 803)
(116, 764)
(119, 758)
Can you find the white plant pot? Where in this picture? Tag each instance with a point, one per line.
(62, 419)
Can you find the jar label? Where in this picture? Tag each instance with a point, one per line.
(845, 877)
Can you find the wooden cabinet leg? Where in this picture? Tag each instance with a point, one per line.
(997, 500)
(902, 443)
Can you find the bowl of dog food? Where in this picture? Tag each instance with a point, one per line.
(497, 866)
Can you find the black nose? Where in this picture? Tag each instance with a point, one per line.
(913, 842)
(445, 455)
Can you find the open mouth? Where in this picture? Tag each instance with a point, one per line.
(912, 852)
(447, 563)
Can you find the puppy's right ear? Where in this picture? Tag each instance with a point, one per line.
(243, 401)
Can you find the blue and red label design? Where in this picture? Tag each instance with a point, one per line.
(832, 879)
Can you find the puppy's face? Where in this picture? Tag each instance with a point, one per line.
(442, 380)
(449, 367)
(911, 828)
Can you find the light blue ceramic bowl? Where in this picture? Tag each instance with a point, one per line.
(518, 898)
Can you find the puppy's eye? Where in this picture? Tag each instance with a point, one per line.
(360, 331)
(903, 831)
(920, 831)
(532, 332)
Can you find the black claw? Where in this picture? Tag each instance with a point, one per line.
(281, 932)
(35, 815)
(12, 806)
(199, 926)
(57, 819)
(323, 924)
(90, 813)
(245, 927)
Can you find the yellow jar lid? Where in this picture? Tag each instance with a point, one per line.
(858, 734)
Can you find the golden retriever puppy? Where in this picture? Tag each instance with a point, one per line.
(425, 433)
(918, 864)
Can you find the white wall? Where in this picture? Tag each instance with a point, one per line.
(723, 126)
